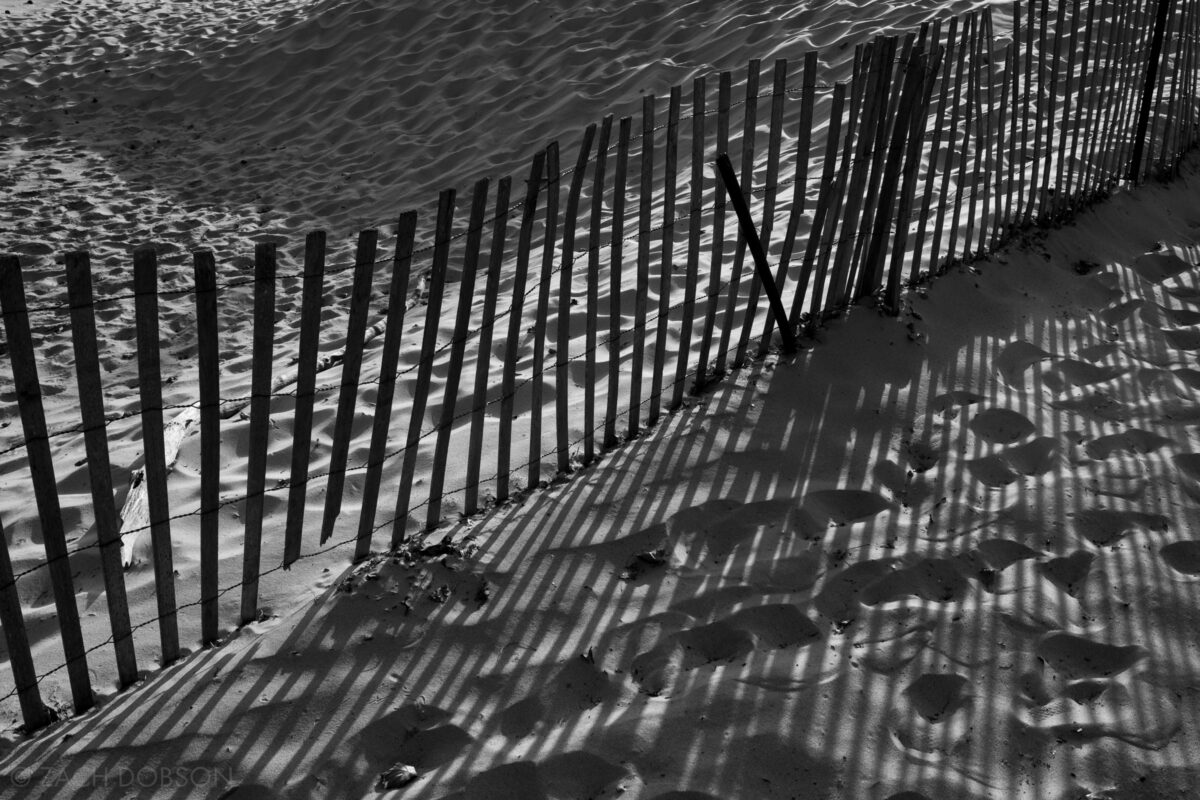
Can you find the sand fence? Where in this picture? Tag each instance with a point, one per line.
(565, 314)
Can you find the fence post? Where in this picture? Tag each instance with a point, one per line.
(550, 236)
(615, 267)
(718, 237)
(458, 347)
(437, 285)
(382, 420)
(695, 228)
(33, 711)
(260, 432)
(209, 368)
(754, 244)
(91, 407)
(515, 323)
(145, 283)
(667, 258)
(356, 326)
(41, 466)
(1156, 43)
(483, 364)
(562, 378)
(645, 212)
(591, 340)
(306, 384)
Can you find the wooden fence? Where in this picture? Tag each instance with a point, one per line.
(590, 304)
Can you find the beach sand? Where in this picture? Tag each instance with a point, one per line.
(950, 554)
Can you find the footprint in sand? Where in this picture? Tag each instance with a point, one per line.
(1092, 709)
(1070, 373)
(1001, 425)
(573, 774)
(948, 405)
(844, 506)
(1075, 657)
(1133, 440)
(579, 685)
(1160, 265)
(1069, 573)
(933, 714)
(1032, 459)
(1016, 358)
(1182, 556)
(776, 626)
(1104, 526)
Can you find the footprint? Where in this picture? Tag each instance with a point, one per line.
(1183, 338)
(1103, 526)
(1159, 266)
(1033, 458)
(1001, 425)
(579, 685)
(935, 696)
(1123, 477)
(1093, 710)
(1098, 352)
(928, 720)
(1182, 556)
(1069, 572)
(1016, 358)
(843, 506)
(1069, 373)
(1001, 553)
(1133, 440)
(948, 404)
(838, 600)
(1075, 657)
(1115, 315)
(935, 579)
(1096, 407)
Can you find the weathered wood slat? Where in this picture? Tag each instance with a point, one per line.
(388, 361)
(34, 713)
(433, 310)
(306, 385)
(695, 232)
(516, 311)
(259, 431)
(458, 350)
(104, 507)
(591, 340)
(343, 422)
(487, 329)
(640, 302)
(145, 287)
(616, 266)
(717, 257)
(667, 259)
(537, 385)
(562, 377)
(209, 378)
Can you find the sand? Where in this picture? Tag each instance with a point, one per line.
(949, 555)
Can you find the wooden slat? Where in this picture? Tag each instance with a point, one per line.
(388, 361)
(695, 231)
(591, 340)
(1107, 56)
(979, 145)
(770, 195)
(260, 431)
(874, 106)
(34, 712)
(458, 349)
(1083, 113)
(41, 468)
(712, 295)
(987, 136)
(562, 377)
(935, 253)
(931, 169)
(306, 384)
(145, 286)
(918, 121)
(549, 242)
(746, 179)
(1063, 179)
(1003, 162)
(856, 278)
(616, 266)
(962, 179)
(909, 92)
(823, 299)
(1037, 185)
(667, 259)
(209, 378)
(1122, 133)
(343, 421)
(516, 312)
(799, 187)
(91, 409)
(487, 329)
(433, 310)
(645, 210)
(1029, 53)
(821, 211)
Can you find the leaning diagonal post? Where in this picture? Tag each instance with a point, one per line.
(750, 234)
